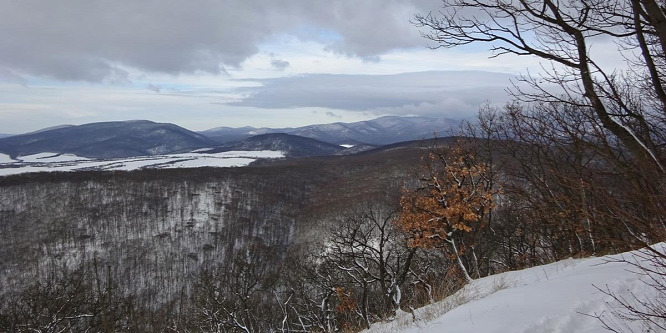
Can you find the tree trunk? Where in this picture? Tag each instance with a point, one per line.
(459, 260)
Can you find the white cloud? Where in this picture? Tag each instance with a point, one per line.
(26, 109)
(431, 93)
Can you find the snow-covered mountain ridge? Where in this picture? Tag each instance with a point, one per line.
(107, 140)
(380, 131)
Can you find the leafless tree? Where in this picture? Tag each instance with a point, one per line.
(236, 296)
(368, 250)
(71, 300)
(561, 33)
(587, 160)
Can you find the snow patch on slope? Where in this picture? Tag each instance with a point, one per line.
(47, 162)
(559, 297)
(4, 158)
(51, 158)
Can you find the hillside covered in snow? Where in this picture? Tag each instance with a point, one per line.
(54, 162)
(566, 296)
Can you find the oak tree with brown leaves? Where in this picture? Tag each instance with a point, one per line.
(455, 197)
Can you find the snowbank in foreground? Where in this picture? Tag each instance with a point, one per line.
(560, 297)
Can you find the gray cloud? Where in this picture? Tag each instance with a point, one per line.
(154, 88)
(333, 115)
(280, 64)
(91, 40)
(455, 93)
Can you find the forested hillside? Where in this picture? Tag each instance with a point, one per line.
(155, 230)
(573, 167)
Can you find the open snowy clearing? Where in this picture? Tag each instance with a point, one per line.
(559, 297)
(4, 158)
(51, 158)
(48, 162)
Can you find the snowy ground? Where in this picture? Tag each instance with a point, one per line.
(46, 162)
(4, 158)
(560, 297)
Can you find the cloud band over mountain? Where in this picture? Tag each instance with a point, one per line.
(425, 93)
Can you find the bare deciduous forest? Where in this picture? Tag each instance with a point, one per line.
(337, 243)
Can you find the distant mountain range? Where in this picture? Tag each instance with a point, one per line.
(107, 140)
(291, 145)
(142, 137)
(380, 131)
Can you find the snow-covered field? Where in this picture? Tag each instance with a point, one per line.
(4, 158)
(46, 162)
(560, 297)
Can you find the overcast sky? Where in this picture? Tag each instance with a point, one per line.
(209, 63)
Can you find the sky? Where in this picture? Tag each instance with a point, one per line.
(207, 63)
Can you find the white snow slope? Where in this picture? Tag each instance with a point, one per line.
(560, 297)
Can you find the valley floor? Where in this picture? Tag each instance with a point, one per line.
(561, 297)
(50, 162)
